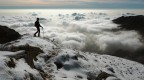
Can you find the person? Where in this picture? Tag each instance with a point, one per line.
(37, 25)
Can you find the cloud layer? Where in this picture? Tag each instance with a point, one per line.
(91, 32)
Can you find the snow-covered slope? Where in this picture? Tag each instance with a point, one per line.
(58, 63)
(12, 69)
(89, 66)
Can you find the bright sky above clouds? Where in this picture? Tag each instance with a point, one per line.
(74, 3)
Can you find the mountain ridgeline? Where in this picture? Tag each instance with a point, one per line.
(132, 23)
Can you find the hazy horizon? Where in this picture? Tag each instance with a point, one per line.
(46, 7)
(71, 4)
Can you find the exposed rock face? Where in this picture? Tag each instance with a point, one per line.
(131, 23)
(31, 53)
(7, 34)
(103, 76)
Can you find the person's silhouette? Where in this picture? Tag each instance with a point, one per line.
(37, 25)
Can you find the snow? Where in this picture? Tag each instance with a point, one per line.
(10, 54)
(34, 41)
(77, 65)
(93, 64)
(22, 69)
(19, 72)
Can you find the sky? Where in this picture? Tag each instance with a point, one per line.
(133, 4)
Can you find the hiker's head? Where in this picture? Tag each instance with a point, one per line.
(37, 19)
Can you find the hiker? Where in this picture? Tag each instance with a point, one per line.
(37, 25)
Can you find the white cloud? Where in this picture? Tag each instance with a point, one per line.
(93, 33)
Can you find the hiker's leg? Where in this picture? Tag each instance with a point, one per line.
(38, 32)
(35, 33)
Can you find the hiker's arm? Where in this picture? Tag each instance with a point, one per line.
(41, 26)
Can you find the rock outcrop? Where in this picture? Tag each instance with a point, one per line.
(131, 23)
(7, 34)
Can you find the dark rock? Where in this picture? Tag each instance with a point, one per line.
(59, 65)
(91, 76)
(30, 53)
(11, 63)
(80, 77)
(7, 34)
(111, 69)
(47, 57)
(103, 76)
(131, 23)
(75, 57)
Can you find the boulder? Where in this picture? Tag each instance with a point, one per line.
(7, 34)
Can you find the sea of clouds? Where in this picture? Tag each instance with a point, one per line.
(90, 32)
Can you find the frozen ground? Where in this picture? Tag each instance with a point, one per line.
(71, 45)
(60, 63)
